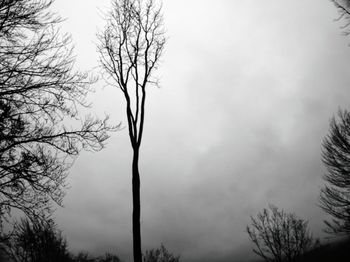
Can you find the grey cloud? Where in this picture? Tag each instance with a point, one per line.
(247, 92)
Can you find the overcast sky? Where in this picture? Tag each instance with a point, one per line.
(247, 91)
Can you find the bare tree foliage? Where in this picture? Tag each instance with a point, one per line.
(39, 92)
(343, 7)
(279, 236)
(160, 255)
(130, 48)
(335, 196)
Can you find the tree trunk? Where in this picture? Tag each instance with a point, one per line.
(136, 228)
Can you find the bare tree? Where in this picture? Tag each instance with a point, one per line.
(335, 196)
(130, 48)
(279, 236)
(39, 94)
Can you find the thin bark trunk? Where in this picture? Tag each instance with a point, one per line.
(136, 214)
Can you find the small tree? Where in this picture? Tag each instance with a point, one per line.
(130, 48)
(335, 196)
(279, 236)
(160, 255)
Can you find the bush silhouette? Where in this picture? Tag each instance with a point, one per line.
(160, 255)
(109, 258)
(85, 257)
(37, 242)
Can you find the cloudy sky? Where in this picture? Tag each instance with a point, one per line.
(247, 91)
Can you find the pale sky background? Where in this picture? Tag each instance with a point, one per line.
(247, 91)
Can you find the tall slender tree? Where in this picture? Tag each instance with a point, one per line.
(130, 48)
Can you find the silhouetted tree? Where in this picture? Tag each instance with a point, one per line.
(335, 196)
(39, 92)
(37, 242)
(130, 48)
(279, 236)
(160, 255)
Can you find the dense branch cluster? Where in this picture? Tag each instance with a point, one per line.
(130, 48)
(335, 196)
(279, 236)
(37, 242)
(39, 92)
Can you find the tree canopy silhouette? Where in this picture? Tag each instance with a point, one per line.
(279, 236)
(130, 48)
(39, 94)
(335, 196)
(40, 241)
